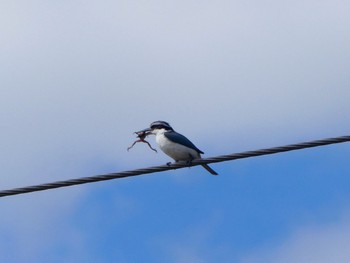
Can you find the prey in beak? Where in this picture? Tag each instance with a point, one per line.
(142, 136)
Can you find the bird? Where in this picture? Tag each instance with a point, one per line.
(174, 144)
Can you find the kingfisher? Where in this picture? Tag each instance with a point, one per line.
(174, 144)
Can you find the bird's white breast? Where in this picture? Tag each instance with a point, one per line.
(176, 151)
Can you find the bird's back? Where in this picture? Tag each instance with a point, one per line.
(180, 139)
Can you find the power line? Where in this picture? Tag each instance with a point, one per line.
(156, 169)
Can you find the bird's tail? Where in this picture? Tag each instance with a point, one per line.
(209, 169)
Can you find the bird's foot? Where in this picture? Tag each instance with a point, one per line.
(189, 162)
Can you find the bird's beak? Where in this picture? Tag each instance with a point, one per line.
(147, 131)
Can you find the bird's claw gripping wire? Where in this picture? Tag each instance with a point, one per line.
(156, 169)
(142, 135)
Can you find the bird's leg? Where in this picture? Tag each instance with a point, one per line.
(169, 163)
(189, 161)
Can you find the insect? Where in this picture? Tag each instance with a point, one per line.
(142, 136)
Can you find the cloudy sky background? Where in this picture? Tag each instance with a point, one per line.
(78, 77)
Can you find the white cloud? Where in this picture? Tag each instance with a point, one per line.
(324, 243)
(78, 77)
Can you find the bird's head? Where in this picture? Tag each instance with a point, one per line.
(156, 127)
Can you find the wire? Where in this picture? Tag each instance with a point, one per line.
(157, 169)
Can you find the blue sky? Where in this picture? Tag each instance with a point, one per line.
(79, 77)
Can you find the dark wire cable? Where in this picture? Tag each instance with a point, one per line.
(156, 169)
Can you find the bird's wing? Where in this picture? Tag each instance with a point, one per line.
(180, 139)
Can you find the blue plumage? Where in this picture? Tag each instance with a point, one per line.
(180, 139)
(175, 144)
